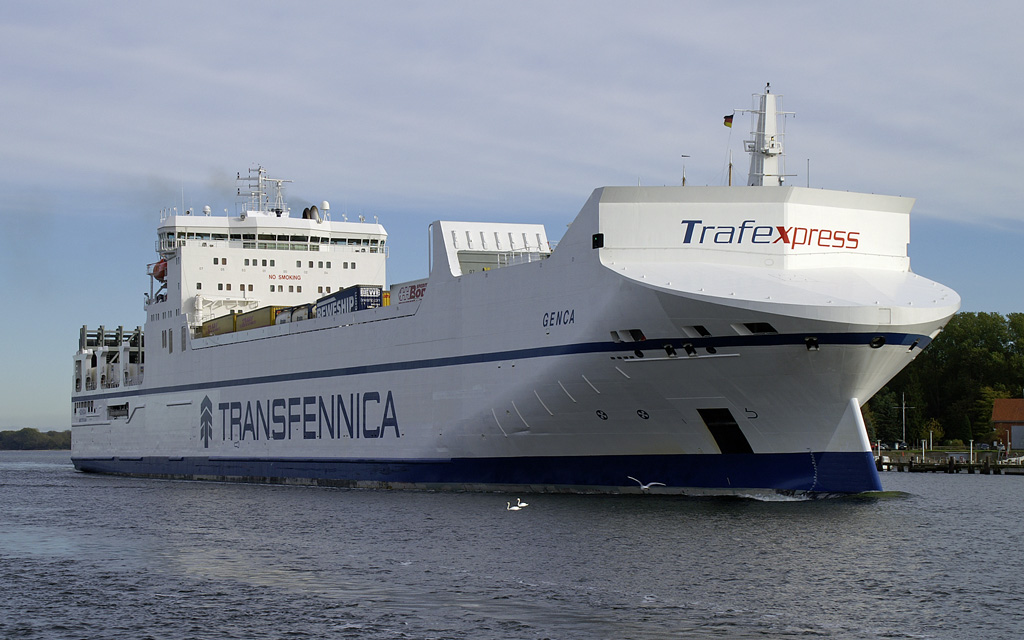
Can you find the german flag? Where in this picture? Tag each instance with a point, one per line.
(728, 121)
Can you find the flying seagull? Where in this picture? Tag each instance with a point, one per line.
(646, 487)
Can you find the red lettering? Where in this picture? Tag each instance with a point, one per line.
(412, 292)
(802, 241)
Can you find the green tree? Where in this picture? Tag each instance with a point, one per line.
(951, 384)
(30, 439)
(936, 434)
(982, 424)
(885, 418)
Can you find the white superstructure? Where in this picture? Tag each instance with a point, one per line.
(263, 256)
(714, 339)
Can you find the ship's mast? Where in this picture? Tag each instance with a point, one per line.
(259, 200)
(766, 151)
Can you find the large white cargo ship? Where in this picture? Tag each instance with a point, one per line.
(708, 339)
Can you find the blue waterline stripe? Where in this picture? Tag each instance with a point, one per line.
(838, 472)
(767, 340)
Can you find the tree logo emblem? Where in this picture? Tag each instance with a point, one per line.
(206, 421)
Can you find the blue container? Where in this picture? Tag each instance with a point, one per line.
(354, 298)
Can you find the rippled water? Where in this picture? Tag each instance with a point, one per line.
(85, 556)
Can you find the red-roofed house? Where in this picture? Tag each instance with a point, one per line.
(1008, 421)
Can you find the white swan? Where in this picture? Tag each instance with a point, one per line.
(646, 487)
(509, 507)
(520, 503)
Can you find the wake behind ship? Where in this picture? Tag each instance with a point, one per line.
(709, 339)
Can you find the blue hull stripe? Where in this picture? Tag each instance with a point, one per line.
(820, 472)
(901, 339)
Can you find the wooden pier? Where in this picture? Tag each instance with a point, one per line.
(949, 465)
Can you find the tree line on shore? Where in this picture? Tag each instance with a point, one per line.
(945, 395)
(31, 439)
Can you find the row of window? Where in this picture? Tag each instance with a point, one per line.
(320, 264)
(164, 315)
(221, 286)
(366, 242)
(167, 339)
(255, 262)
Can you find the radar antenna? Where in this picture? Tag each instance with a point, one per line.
(259, 200)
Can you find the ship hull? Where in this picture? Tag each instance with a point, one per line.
(759, 413)
(787, 473)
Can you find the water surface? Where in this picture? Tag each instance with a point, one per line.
(87, 556)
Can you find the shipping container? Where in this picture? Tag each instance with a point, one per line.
(301, 312)
(219, 326)
(263, 317)
(408, 291)
(354, 298)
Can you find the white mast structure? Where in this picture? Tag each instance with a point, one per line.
(766, 149)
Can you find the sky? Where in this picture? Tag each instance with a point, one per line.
(499, 111)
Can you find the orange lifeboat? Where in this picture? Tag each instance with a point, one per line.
(160, 270)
